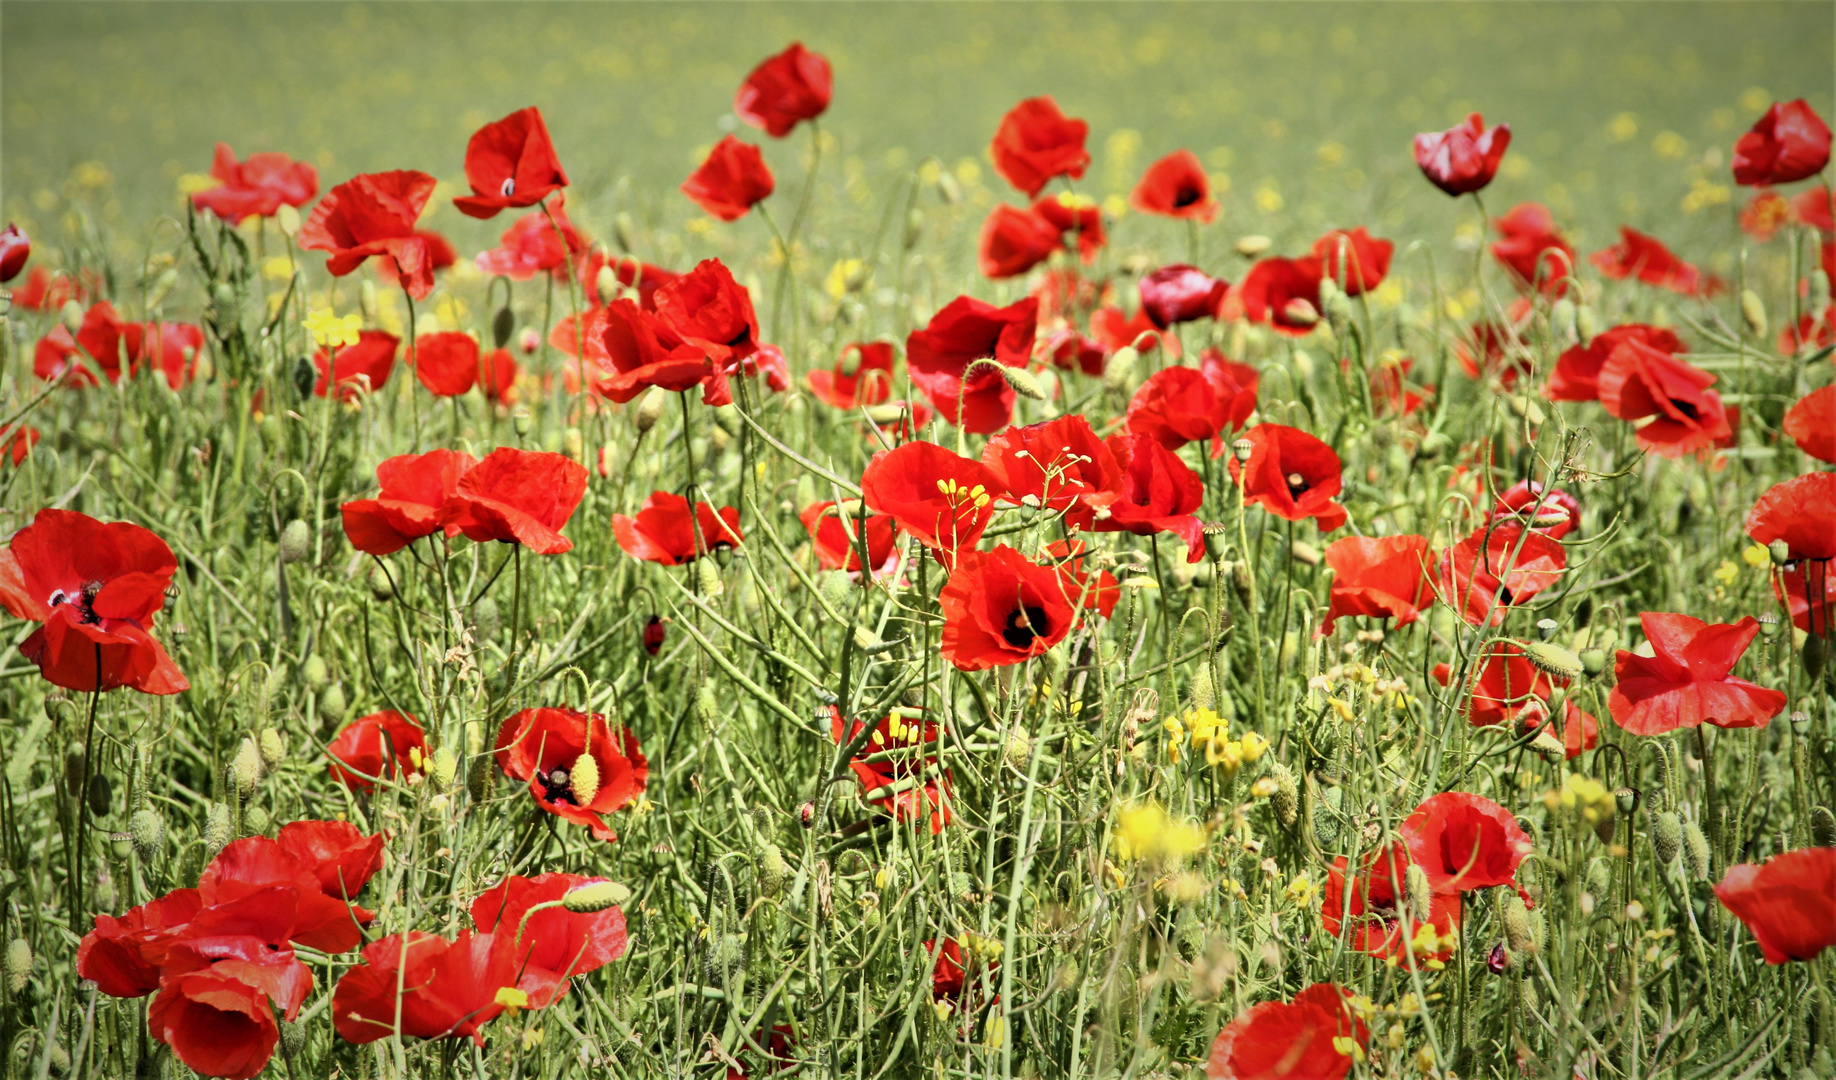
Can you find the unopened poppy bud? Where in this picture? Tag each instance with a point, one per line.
(1606, 826)
(366, 301)
(806, 814)
(1241, 450)
(1562, 318)
(1666, 836)
(1023, 383)
(1204, 696)
(1326, 816)
(244, 770)
(772, 870)
(1253, 245)
(332, 703)
(605, 283)
(707, 578)
(650, 409)
(292, 1032)
(503, 323)
(1553, 659)
(1418, 892)
(295, 541)
(1695, 852)
(478, 773)
(1018, 752)
(1286, 800)
(914, 227)
(314, 673)
(381, 587)
(834, 586)
(1822, 826)
(487, 619)
(443, 767)
(727, 418)
(573, 444)
(707, 703)
(1242, 582)
(100, 794)
(1548, 745)
(1819, 291)
(1753, 312)
(1586, 323)
(1593, 662)
(218, 829)
(162, 286)
(288, 218)
(583, 780)
(949, 187)
(76, 771)
(147, 832)
(1814, 653)
(1300, 312)
(273, 748)
(18, 965)
(60, 1059)
(595, 896)
(1120, 367)
(255, 821)
(850, 363)
(71, 315)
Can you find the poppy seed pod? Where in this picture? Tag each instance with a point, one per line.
(1666, 837)
(1120, 366)
(1780, 551)
(120, 845)
(1627, 800)
(650, 409)
(595, 896)
(332, 703)
(1753, 312)
(1547, 628)
(523, 421)
(1695, 852)
(1822, 826)
(295, 541)
(244, 770)
(218, 829)
(18, 965)
(147, 830)
(1242, 449)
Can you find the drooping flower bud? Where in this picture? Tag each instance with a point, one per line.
(1593, 662)
(1023, 383)
(1822, 826)
(443, 767)
(314, 673)
(583, 780)
(332, 703)
(1203, 695)
(649, 409)
(1286, 800)
(1120, 366)
(1418, 892)
(148, 830)
(1753, 312)
(1695, 852)
(366, 301)
(1554, 660)
(219, 830)
(605, 283)
(707, 578)
(595, 896)
(773, 871)
(273, 748)
(18, 965)
(1253, 245)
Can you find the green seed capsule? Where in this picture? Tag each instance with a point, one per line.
(295, 541)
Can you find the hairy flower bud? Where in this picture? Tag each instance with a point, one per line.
(1695, 852)
(1814, 654)
(244, 770)
(1517, 925)
(478, 775)
(218, 829)
(18, 965)
(649, 409)
(295, 541)
(707, 578)
(1666, 836)
(292, 1032)
(1593, 662)
(1024, 383)
(1553, 659)
(583, 779)
(1120, 367)
(1822, 827)
(1418, 892)
(332, 703)
(1203, 694)
(382, 584)
(595, 896)
(100, 794)
(443, 767)
(148, 830)
(273, 748)
(503, 324)
(314, 673)
(1753, 312)
(772, 871)
(1819, 297)
(1286, 800)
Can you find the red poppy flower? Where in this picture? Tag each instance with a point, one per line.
(631, 274)
(100, 339)
(836, 542)
(171, 348)
(15, 249)
(118, 953)
(258, 187)
(655, 632)
(1371, 907)
(510, 162)
(530, 246)
(1687, 681)
(1791, 142)
(967, 330)
(1812, 207)
(1812, 332)
(1367, 259)
(1379, 577)
(1533, 250)
(732, 180)
(337, 853)
(940, 498)
(518, 497)
(710, 311)
(577, 767)
(792, 86)
(927, 801)
(16, 442)
(1098, 593)
(862, 376)
(1181, 293)
(1036, 142)
(1788, 902)
(1497, 567)
(1765, 214)
(374, 214)
(1494, 351)
(777, 1045)
(48, 290)
(1468, 840)
(1292, 475)
(414, 488)
(999, 608)
(1289, 1040)
(1284, 293)
(1639, 381)
(1113, 329)
(256, 886)
(1157, 492)
(1577, 371)
(957, 978)
(634, 350)
(1178, 405)
(1505, 686)
(1069, 350)
(216, 1024)
(1176, 186)
(1392, 394)
(662, 531)
(382, 744)
(446, 362)
(95, 588)
(1014, 241)
(548, 945)
(1521, 502)
(1060, 465)
(440, 990)
(1647, 259)
(1076, 215)
(1811, 423)
(359, 369)
(1463, 158)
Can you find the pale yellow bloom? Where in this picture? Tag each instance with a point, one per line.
(331, 331)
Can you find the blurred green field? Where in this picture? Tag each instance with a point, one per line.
(1620, 112)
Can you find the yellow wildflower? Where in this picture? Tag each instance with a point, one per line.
(332, 332)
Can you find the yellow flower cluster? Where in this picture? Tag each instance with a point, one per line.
(331, 331)
(1584, 795)
(1147, 832)
(1206, 730)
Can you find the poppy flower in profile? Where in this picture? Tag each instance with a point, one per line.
(863, 375)
(15, 249)
(643, 278)
(510, 162)
(1014, 241)
(1181, 293)
(261, 888)
(958, 977)
(1371, 909)
(1498, 566)
(548, 944)
(1290, 1040)
(1060, 465)
(1645, 257)
(634, 350)
(1462, 158)
(1381, 577)
(337, 853)
(1533, 250)
(1176, 186)
(1811, 423)
(663, 532)
(100, 339)
(1077, 217)
(258, 187)
(1555, 514)
(1577, 372)
(966, 330)
(1037, 142)
(1687, 682)
(118, 953)
(447, 363)
(1112, 328)
(518, 497)
(441, 255)
(836, 541)
(1811, 332)
(356, 369)
(1178, 405)
(1069, 350)
(710, 311)
(48, 290)
(95, 589)
(1282, 293)
(1812, 207)
(1466, 840)
(16, 442)
(1156, 492)
(414, 487)
(941, 498)
(656, 631)
(578, 767)
(374, 214)
(1292, 475)
(497, 373)
(216, 1024)
(1788, 902)
(1639, 381)
(170, 348)
(383, 744)
(1001, 608)
(793, 86)
(530, 246)
(928, 802)
(1366, 259)
(732, 180)
(1791, 142)
(423, 985)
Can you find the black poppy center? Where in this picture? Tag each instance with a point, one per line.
(1023, 625)
(1686, 408)
(1185, 196)
(84, 601)
(558, 786)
